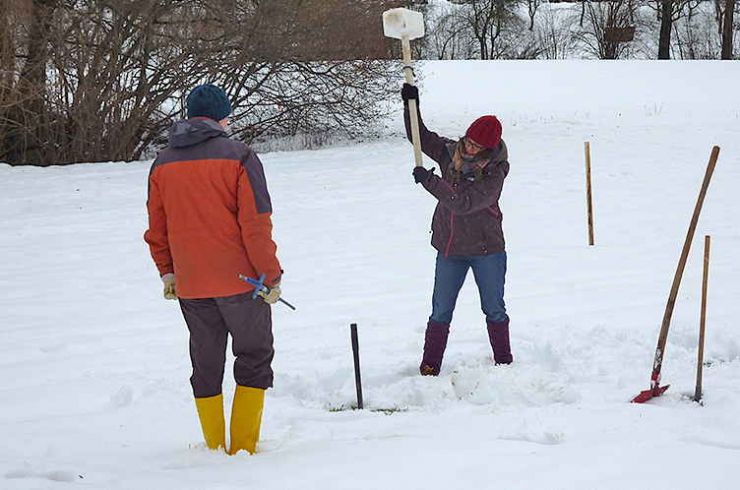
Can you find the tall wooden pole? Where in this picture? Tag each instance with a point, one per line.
(589, 198)
(703, 319)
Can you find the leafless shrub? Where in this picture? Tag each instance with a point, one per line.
(91, 80)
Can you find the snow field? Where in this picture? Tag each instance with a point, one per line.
(94, 363)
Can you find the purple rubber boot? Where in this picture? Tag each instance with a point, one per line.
(435, 342)
(498, 334)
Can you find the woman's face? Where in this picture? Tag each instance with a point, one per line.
(471, 147)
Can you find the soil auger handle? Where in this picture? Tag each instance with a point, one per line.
(259, 286)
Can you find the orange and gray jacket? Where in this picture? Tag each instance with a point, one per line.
(467, 220)
(210, 212)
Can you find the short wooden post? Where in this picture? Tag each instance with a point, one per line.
(703, 319)
(589, 198)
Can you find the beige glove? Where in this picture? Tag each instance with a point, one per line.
(169, 286)
(272, 295)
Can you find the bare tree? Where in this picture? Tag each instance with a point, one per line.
(603, 17)
(449, 36)
(694, 33)
(442, 38)
(554, 34)
(669, 12)
(496, 28)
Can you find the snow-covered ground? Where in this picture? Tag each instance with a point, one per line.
(94, 363)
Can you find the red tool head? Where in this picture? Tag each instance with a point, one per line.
(650, 394)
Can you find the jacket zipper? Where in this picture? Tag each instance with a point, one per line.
(453, 188)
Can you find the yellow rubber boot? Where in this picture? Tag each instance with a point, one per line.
(246, 418)
(211, 414)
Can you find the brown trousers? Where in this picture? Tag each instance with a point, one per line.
(249, 322)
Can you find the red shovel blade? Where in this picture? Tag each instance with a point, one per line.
(649, 394)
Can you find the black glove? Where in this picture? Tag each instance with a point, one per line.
(421, 174)
(409, 92)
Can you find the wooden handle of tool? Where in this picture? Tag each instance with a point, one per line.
(702, 319)
(413, 111)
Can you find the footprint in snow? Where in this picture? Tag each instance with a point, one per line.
(54, 475)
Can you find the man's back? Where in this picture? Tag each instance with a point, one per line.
(209, 212)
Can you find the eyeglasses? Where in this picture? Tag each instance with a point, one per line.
(473, 145)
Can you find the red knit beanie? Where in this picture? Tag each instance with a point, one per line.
(486, 131)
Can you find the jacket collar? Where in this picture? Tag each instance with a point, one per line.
(190, 132)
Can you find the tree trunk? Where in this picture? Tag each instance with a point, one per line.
(31, 115)
(666, 24)
(532, 6)
(727, 30)
(482, 42)
(7, 50)
(33, 75)
(718, 16)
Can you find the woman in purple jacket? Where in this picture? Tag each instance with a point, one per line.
(466, 228)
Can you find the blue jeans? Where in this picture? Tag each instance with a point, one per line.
(490, 274)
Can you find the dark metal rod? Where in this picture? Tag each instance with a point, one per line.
(356, 355)
(286, 304)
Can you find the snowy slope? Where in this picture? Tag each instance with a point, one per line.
(94, 363)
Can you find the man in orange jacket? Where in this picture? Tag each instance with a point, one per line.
(209, 221)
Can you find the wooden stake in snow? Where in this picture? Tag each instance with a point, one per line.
(589, 200)
(703, 319)
(405, 24)
(655, 388)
